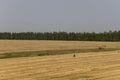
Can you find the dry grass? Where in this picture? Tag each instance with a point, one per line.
(34, 45)
(89, 66)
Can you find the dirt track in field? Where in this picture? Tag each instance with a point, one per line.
(85, 66)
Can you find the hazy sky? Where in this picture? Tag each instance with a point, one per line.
(59, 15)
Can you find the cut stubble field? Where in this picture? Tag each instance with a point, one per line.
(9, 46)
(89, 66)
(85, 66)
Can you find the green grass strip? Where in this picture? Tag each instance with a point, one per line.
(51, 52)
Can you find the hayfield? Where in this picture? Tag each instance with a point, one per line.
(85, 66)
(88, 66)
(8, 46)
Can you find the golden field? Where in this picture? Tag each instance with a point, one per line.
(85, 66)
(7, 46)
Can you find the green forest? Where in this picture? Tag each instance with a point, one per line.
(69, 36)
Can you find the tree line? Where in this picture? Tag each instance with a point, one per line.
(70, 36)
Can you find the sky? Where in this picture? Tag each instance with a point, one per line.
(59, 15)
